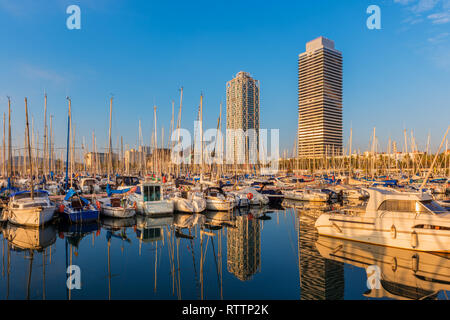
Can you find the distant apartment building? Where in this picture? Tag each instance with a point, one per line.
(243, 116)
(320, 100)
(98, 159)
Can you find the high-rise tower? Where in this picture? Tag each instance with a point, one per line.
(243, 114)
(320, 100)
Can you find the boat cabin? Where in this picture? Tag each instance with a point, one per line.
(151, 192)
(396, 201)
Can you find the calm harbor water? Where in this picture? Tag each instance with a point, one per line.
(249, 254)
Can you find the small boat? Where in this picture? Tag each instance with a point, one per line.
(117, 204)
(89, 186)
(149, 199)
(253, 197)
(188, 201)
(218, 200)
(28, 211)
(315, 195)
(78, 209)
(274, 195)
(117, 207)
(408, 220)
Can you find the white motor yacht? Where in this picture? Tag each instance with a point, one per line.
(149, 199)
(409, 220)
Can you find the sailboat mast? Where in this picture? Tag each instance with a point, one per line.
(68, 143)
(9, 139)
(44, 171)
(110, 142)
(29, 150)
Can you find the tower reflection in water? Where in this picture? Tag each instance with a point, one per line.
(320, 278)
(244, 247)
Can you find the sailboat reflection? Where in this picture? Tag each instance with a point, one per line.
(29, 240)
(405, 274)
(187, 221)
(216, 220)
(110, 223)
(72, 235)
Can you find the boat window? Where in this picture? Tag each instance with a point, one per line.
(433, 206)
(152, 193)
(34, 204)
(402, 206)
(26, 195)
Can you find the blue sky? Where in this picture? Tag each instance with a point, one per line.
(142, 52)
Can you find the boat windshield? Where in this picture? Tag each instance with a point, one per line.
(433, 206)
(26, 195)
(152, 193)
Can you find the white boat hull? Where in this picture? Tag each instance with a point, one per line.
(195, 205)
(118, 212)
(155, 207)
(386, 232)
(35, 216)
(219, 205)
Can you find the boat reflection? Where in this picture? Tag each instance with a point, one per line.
(149, 228)
(405, 274)
(110, 223)
(29, 238)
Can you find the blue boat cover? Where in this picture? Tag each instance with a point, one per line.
(110, 191)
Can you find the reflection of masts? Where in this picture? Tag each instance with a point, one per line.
(179, 267)
(29, 274)
(43, 274)
(8, 271)
(193, 258)
(109, 269)
(156, 264)
(217, 266)
(201, 265)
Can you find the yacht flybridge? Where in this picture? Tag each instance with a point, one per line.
(409, 220)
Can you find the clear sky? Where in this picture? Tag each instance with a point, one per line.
(142, 52)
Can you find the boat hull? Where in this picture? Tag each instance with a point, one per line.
(389, 232)
(80, 216)
(163, 207)
(189, 205)
(219, 205)
(118, 212)
(31, 216)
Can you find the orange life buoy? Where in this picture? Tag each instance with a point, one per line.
(249, 196)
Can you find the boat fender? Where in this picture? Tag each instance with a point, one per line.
(415, 263)
(134, 205)
(98, 204)
(249, 196)
(97, 233)
(394, 264)
(393, 232)
(414, 239)
(61, 208)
